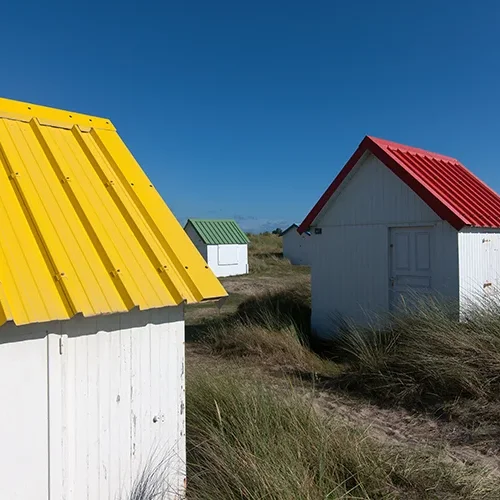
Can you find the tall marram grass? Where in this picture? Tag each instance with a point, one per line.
(427, 358)
(266, 255)
(265, 244)
(249, 441)
(273, 328)
(277, 346)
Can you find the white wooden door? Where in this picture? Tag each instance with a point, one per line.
(410, 270)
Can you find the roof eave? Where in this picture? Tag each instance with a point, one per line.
(432, 199)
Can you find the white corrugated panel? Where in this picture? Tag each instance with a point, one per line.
(479, 259)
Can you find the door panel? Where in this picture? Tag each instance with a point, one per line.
(402, 251)
(423, 251)
(410, 269)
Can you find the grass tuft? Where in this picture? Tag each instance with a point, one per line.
(265, 244)
(286, 306)
(276, 346)
(247, 440)
(429, 360)
(154, 480)
(272, 327)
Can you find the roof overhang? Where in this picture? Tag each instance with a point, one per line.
(414, 182)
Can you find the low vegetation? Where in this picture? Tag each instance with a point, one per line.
(265, 245)
(258, 426)
(265, 255)
(277, 345)
(248, 440)
(430, 361)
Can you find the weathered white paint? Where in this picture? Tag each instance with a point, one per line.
(223, 260)
(350, 259)
(479, 265)
(23, 416)
(410, 264)
(88, 402)
(228, 260)
(296, 247)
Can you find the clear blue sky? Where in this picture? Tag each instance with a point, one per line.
(249, 109)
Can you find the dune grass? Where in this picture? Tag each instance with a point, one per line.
(265, 255)
(247, 440)
(251, 436)
(265, 244)
(428, 360)
(272, 327)
(280, 346)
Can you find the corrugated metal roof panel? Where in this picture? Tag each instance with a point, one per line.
(219, 232)
(83, 229)
(451, 190)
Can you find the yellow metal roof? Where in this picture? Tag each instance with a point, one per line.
(83, 230)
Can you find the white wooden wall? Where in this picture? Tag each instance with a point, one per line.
(350, 259)
(228, 260)
(479, 258)
(296, 248)
(24, 438)
(87, 402)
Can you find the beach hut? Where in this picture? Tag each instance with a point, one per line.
(398, 223)
(296, 246)
(222, 243)
(94, 274)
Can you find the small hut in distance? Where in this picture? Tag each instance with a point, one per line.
(222, 244)
(296, 247)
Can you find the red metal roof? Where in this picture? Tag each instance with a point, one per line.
(452, 191)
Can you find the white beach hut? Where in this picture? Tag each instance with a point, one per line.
(296, 246)
(94, 274)
(222, 244)
(397, 222)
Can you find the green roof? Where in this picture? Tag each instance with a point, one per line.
(219, 232)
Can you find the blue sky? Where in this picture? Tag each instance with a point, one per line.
(249, 109)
